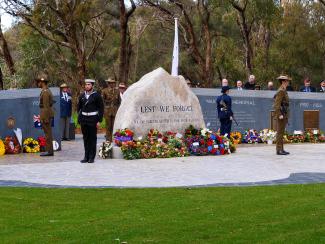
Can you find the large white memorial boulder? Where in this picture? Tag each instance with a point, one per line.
(159, 101)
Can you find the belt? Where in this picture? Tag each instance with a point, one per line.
(90, 114)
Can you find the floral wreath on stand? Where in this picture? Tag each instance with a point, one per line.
(2, 148)
(31, 146)
(12, 145)
(251, 136)
(105, 150)
(236, 137)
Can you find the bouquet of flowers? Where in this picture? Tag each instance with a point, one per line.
(2, 148)
(312, 136)
(42, 143)
(267, 135)
(31, 146)
(236, 137)
(296, 137)
(154, 134)
(206, 142)
(123, 135)
(131, 150)
(105, 150)
(251, 136)
(12, 145)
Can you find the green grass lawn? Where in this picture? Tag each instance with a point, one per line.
(294, 213)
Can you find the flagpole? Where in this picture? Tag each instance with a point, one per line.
(175, 51)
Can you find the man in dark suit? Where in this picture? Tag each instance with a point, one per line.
(307, 86)
(224, 111)
(322, 86)
(65, 111)
(90, 113)
(250, 84)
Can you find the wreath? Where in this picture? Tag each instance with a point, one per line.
(12, 145)
(31, 146)
(105, 150)
(2, 148)
(236, 137)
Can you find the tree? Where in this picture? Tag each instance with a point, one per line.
(123, 15)
(197, 34)
(77, 25)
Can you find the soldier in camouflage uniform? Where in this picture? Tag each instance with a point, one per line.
(46, 113)
(281, 108)
(111, 99)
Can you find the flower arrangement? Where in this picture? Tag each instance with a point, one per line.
(236, 137)
(296, 138)
(42, 143)
(251, 136)
(171, 144)
(12, 145)
(2, 148)
(31, 146)
(205, 142)
(123, 135)
(267, 135)
(105, 150)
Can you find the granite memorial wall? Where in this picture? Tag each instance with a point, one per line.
(21, 106)
(253, 109)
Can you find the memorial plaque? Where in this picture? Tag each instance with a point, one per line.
(311, 119)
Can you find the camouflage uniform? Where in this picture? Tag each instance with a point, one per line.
(46, 116)
(281, 107)
(111, 102)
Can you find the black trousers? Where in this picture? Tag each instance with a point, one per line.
(89, 132)
(225, 127)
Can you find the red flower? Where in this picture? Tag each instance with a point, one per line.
(210, 142)
(222, 151)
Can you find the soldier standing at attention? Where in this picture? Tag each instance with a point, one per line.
(46, 113)
(281, 108)
(90, 112)
(111, 102)
(225, 113)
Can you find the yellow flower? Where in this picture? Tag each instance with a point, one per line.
(2, 148)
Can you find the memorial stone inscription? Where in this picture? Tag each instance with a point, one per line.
(160, 101)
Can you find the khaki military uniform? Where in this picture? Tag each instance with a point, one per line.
(281, 107)
(46, 116)
(111, 103)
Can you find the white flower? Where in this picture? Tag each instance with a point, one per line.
(178, 135)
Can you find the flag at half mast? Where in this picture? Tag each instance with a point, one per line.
(175, 51)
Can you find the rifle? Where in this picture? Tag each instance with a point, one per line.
(225, 108)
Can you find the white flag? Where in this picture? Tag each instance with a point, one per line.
(175, 52)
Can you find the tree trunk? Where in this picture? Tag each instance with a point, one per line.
(123, 43)
(6, 53)
(1, 80)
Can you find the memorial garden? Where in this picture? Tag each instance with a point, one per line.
(134, 97)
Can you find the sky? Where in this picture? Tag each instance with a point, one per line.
(6, 21)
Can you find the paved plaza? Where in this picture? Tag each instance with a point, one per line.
(250, 165)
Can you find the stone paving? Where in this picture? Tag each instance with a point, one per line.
(250, 165)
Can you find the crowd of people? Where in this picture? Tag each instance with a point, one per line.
(251, 84)
(93, 106)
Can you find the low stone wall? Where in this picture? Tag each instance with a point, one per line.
(22, 105)
(252, 109)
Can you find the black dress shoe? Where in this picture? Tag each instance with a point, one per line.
(91, 161)
(46, 154)
(67, 139)
(286, 152)
(281, 153)
(84, 160)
